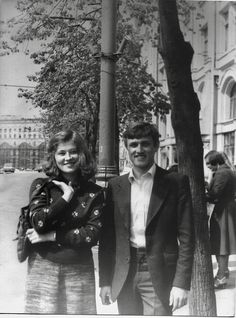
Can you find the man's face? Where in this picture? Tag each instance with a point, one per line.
(213, 168)
(141, 152)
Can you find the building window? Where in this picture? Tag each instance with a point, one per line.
(232, 110)
(226, 30)
(229, 142)
(204, 32)
(5, 130)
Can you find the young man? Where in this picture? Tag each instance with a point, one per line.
(146, 246)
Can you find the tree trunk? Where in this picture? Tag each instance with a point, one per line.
(177, 55)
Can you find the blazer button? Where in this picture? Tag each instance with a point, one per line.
(127, 259)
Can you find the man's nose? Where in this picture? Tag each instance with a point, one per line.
(139, 148)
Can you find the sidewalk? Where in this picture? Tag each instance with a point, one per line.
(225, 298)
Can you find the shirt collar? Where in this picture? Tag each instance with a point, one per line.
(151, 172)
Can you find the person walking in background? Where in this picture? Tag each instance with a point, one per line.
(220, 192)
(60, 276)
(147, 240)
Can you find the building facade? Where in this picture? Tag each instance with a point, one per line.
(211, 30)
(22, 142)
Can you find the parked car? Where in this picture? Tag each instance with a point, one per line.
(8, 168)
(39, 167)
(1, 170)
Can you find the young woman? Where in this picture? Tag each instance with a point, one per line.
(66, 220)
(220, 192)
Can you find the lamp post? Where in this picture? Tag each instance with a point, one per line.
(107, 166)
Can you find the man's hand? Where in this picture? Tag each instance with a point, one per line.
(178, 297)
(34, 237)
(105, 295)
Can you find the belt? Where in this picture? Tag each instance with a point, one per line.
(138, 257)
(138, 250)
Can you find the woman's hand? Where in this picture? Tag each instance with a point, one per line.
(34, 237)
(67, 189)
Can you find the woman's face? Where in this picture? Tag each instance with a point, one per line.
(67, 157)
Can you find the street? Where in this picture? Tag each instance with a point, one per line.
(14, 190)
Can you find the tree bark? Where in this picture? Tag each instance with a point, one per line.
(177, 56)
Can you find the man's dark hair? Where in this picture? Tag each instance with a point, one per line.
(214, 158)
(140, 130)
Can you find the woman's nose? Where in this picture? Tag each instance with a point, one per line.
(67, 155)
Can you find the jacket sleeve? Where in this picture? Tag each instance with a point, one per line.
(43, 214)
(88, 233)
(185, 228)
(218, 185)
(106, 250)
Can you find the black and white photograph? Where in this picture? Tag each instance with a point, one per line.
(118, 158)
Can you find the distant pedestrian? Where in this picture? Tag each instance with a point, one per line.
(220, 192)
(60, 276)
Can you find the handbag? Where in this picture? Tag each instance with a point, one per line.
(23, 243)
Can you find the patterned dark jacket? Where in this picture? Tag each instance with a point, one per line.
(77, 223)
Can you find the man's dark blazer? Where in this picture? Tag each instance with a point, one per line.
(169, 234)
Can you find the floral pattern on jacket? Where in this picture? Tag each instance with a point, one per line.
(77, 223)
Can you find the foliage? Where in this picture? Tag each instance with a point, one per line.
(68, 82)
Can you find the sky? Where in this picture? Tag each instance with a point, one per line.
(13, 71)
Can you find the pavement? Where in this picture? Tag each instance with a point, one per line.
(225, 298)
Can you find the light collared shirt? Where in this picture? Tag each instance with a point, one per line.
(141, 190)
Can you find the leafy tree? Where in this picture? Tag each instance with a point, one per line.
(68, 83)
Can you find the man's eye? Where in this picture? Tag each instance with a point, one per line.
(146, 144)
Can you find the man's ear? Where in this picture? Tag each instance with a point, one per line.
(157, 146)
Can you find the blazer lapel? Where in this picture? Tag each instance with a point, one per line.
(123, 199)
(159, 191)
